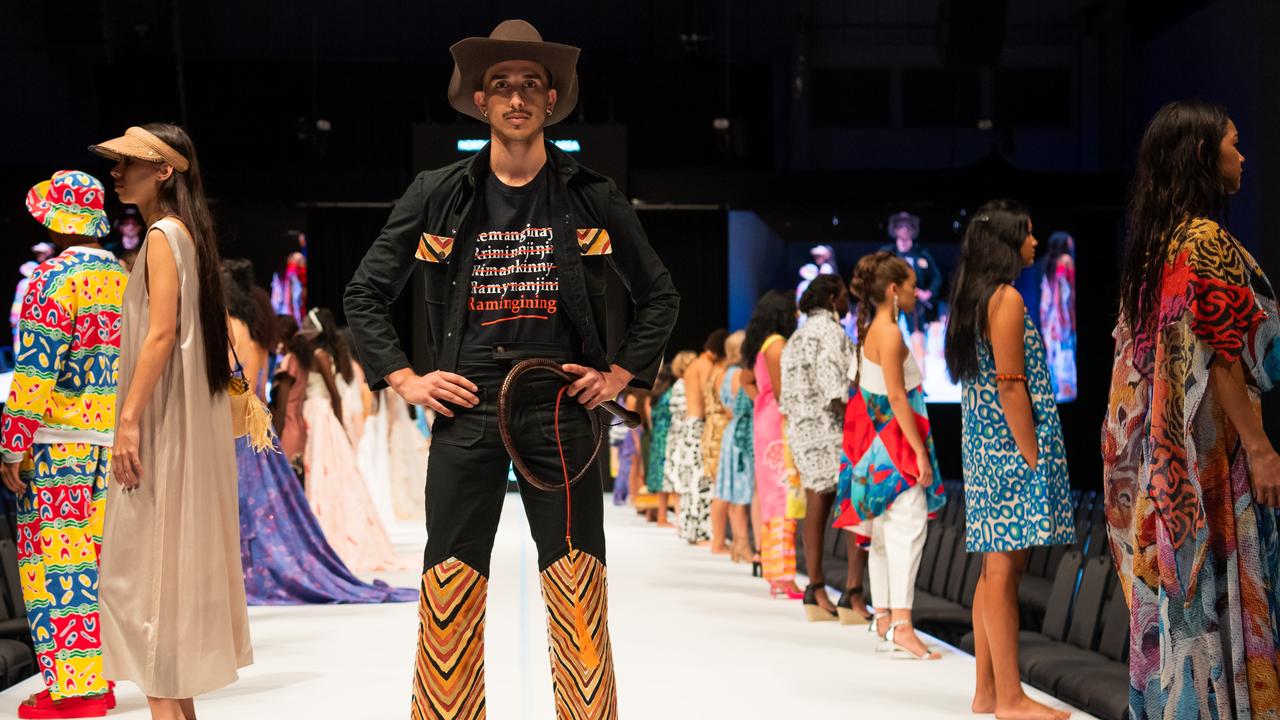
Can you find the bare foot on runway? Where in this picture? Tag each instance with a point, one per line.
(984, 702)
(1028, 709)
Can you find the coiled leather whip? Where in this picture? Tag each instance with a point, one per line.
(587, 650)
(628, 418)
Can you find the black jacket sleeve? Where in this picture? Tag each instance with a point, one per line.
(934, 281)
(382, 274)
(652, 293)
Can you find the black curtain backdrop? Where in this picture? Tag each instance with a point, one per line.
(694, 246)
(337, 238)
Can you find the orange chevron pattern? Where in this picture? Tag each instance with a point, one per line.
(582, 693)
(434, 248)
(778, 550)
(594, 241)
(448, 682)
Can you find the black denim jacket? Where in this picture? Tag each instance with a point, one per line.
(432, 229)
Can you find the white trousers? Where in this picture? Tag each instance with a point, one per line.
(897, 541)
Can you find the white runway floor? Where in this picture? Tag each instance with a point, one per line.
(694, 637)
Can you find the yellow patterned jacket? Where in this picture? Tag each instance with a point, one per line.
(64, 382)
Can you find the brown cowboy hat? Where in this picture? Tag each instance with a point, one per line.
(512, 40)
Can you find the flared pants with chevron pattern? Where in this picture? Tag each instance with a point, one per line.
(467, 483)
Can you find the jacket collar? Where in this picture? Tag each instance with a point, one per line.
(823, 313)
(560, 161)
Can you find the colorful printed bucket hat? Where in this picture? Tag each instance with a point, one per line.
(70, 203)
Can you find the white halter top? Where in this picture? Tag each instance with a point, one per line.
(873, 375)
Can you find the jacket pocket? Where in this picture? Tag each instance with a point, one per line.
(594, 241)
(593, 274)
(434, 248)
(435, 278)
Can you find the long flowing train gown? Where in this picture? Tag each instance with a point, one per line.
(373, 455)
(408, 461)
(337, 491)
(282, 548)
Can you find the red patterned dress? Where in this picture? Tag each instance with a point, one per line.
(1198, 558)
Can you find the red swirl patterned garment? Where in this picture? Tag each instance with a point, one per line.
(1198, 558)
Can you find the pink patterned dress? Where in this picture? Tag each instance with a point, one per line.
(777, 482)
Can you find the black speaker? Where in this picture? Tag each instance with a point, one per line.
(971, 32)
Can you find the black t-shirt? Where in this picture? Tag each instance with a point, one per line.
(515, 285)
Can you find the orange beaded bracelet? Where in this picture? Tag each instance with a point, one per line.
(1008, 377)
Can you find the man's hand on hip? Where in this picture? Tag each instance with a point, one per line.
(434, 389)
(594, 387)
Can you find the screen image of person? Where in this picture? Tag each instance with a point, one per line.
(1058, 314)
(824, 263)
(924, 324)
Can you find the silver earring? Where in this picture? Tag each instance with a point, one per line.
(549, 111)
(484, 112)
(896, 311)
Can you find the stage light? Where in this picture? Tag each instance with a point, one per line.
(835, 220)
(470, 145)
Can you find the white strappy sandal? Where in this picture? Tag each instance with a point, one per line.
(902, 653)
(881, 640)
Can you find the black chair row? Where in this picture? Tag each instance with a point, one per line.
(948, 575)
(1091, 542)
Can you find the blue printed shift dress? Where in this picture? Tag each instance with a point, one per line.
(1009, 506)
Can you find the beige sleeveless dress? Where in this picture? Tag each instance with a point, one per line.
(171, 587)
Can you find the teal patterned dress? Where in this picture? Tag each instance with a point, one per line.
(736, 475)
(661, 415)
(1009, 506)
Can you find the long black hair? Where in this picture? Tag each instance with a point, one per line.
(236, 291)
(323, 321)
(1060, 244)
(990, 256)
(715, 343)
(821, 293)
(303, 344)
(183, 195)
(1178, 178)
(244, 304)
(775, 314)
(286, 328)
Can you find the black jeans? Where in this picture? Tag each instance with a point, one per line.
(467, 473)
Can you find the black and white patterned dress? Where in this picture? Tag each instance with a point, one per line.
(685, 469)
(815, 363)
